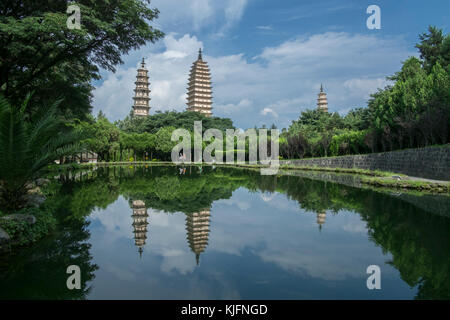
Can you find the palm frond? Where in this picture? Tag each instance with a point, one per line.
(29, 145)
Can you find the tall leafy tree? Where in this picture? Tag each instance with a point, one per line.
(39, 53)
(100, 136)
(432, 48)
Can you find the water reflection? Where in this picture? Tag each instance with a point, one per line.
(264, 241)
(139, 224)
(321, 217)
(197, 228)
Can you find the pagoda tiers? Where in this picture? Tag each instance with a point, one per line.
(321, 216)
(322, 102)
(199, 90)
(197, 227)
(142, 92)
(139, 224)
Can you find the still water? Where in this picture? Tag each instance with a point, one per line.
(222, 233)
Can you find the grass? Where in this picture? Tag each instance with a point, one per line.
(435, 187)
(365, 172)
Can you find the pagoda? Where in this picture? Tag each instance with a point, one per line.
(197, 227)
(142, 92)
(199, 90)
(322, 102)
(321, 216)
(139, 224)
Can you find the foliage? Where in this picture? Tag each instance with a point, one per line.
(101, 136)
(39, 53)
(434, 48)
(179, 120)
(318, 133)
(142, 138)
(37, 272)
(22, 233)
(28, 147)
(348, 142)
(413, 111)
(164, 144)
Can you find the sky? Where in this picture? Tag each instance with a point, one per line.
(269, 58)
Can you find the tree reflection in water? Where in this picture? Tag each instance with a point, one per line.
(418, 241)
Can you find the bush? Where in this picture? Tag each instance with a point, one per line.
(348, 142)
(22, 233)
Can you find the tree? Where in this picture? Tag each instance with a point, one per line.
(431, 47)
(28, 147)
(100, 136)
(415, 110)
(163, 141)
(39, 53)
(184, 120)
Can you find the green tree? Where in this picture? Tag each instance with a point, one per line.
(184, 120)
(163, 141)
(100, 136)
(432, 49)
(39, 53)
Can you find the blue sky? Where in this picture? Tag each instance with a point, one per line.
(268, 58)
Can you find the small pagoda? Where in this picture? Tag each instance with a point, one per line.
(322, 102)
(321, 217)
(139, 224)
(199, 88)
(197, 227)
(141, 97)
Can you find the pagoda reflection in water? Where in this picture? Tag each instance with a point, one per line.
(139, 224)
(321, 216)
(197, 227)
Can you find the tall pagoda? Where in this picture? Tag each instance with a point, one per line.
(322, 102)
(197, 227)
(199, 90)
(142, 92)
(139, 224)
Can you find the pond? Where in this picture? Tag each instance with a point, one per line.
(223, 233)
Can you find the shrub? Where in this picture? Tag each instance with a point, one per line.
(22, 233)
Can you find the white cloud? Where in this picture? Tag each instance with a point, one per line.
(235, 9)
(168, 73)
(233, 13)
(363, 87)
(197, 14)
(278, 83)
(266, 28)
(267, 111)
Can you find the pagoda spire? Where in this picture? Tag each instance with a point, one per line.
(199, 88)
(141, 92)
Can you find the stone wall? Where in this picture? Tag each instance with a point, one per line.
(430, 163)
